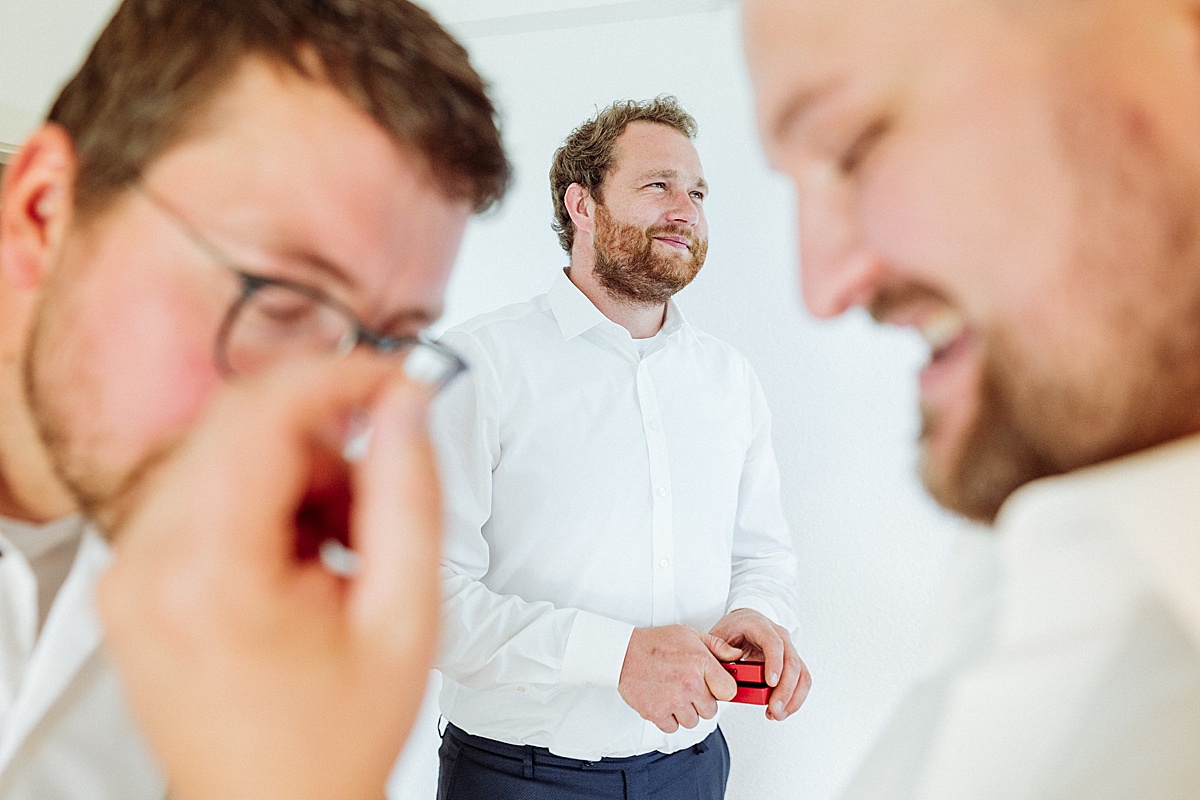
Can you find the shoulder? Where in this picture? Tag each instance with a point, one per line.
(719, 353)
(494, 329)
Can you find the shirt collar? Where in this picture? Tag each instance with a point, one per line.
(575, 313)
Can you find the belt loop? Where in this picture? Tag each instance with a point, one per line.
(637, 783)
(700, 748)
(527, 763)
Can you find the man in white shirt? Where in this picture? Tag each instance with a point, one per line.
(1020, 183)
(611, 492)
(186, 218)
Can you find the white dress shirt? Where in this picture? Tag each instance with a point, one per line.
(591, 488)
(1066, 659)
(64, 731)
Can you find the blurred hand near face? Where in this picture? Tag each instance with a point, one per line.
(255, 673)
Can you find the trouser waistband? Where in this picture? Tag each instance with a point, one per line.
(540, 755)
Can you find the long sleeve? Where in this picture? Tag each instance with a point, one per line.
(763, 574)
(490, 639)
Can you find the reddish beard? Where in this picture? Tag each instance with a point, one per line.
(629, 268)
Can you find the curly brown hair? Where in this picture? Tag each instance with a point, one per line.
(586, 156)
(159, 63)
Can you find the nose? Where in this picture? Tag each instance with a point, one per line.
(838, 271)
(684, 209)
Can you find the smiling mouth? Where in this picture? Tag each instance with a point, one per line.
(942, 332)
(677, 242)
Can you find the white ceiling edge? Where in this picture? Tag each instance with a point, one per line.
(580, 17)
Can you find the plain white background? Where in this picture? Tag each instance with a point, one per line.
(872, 547)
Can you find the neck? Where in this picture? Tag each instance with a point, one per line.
(641, 320)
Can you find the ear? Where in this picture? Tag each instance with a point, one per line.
(582, 208)
(36, 206)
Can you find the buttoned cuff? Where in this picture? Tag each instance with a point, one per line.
(595, 651)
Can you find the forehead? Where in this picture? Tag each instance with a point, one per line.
(799, 49)
(646, 147)
(294, 167)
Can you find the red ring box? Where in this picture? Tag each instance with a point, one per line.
(751, 682)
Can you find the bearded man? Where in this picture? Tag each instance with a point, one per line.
(611, 493)
(1018, 182)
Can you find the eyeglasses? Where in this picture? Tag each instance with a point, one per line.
(274, 320)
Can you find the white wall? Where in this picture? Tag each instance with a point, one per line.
(871, 545)
(41, 42)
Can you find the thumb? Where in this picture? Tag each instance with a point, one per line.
(721, 649)
(720, 683)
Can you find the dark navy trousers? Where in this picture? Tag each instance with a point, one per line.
(474, 768)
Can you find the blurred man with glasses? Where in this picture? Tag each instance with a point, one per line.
(250, 201)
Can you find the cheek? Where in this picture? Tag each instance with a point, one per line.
(166, 366)
(978, 210)
(146, 353)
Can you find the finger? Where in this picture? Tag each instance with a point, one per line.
(261, 441)
(687, 717)
(397, 526)
(668, 725)
(768, 640)
(721, 649)
(706, 708)
(781, 697)
(803, 686)
(721, 685)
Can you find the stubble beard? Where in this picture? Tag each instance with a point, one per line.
(628, 268)
(102, 492)
(994, 459)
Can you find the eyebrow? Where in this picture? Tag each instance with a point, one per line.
(411, 318)
(316, 263)
(672, 174)
(801, 104)
(405, 318)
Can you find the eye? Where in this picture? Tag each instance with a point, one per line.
(656, 185)
(861, 147)
(698, 195)
(282, 305)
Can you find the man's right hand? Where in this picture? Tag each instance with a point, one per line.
(672, 675)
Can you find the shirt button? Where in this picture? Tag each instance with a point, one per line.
(662, 491)
(664, 563)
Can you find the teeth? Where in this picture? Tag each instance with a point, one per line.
(942, 328)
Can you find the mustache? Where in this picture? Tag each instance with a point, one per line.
(892, 298)
(669, 230)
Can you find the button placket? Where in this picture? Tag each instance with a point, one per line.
(662, 537)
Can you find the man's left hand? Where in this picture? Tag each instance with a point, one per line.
(761, 638)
